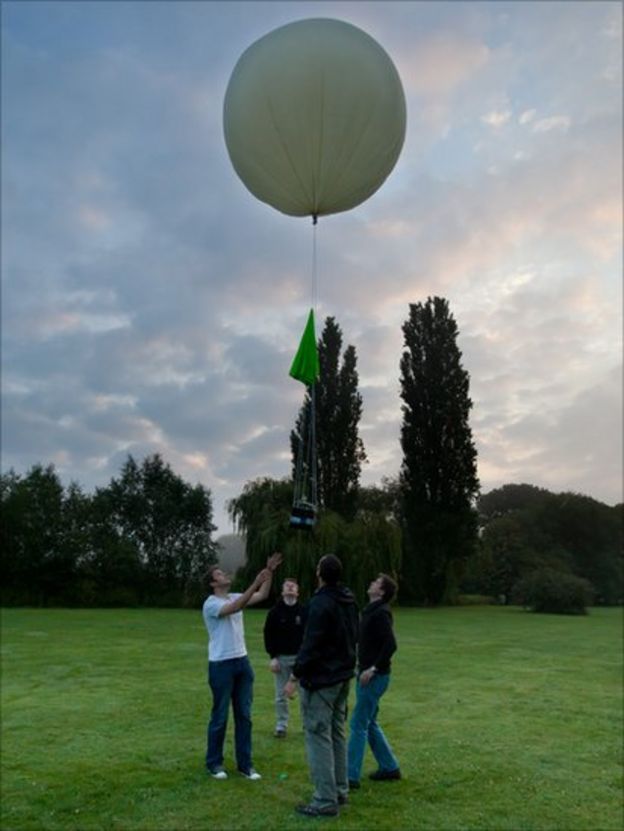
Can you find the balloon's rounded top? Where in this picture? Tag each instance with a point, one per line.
(314, 117)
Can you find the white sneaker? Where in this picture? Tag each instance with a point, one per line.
(218, 773)
(252, 773)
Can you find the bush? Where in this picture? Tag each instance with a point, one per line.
(556, 592)
(475, 600)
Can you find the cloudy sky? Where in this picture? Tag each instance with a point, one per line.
(151, 303)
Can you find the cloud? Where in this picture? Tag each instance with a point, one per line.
(440, 63)
(527, 116)
(496, 118)
(553, 122)
(564, 449)
(152, 304)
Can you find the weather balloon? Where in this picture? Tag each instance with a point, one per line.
(314, 117)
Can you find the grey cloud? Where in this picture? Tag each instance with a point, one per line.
(267, 454)
(565, 447)
(119, 204)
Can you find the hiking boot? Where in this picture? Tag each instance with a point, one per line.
(385, 775)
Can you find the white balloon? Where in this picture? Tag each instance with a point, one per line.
(314, 117)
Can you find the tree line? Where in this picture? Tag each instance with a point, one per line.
(429, 525)
(528, 531)
(147, 537)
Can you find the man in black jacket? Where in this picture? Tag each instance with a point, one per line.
(376, 646)
(325, 665)
(283, 633)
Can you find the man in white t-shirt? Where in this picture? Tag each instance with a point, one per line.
(230, 675)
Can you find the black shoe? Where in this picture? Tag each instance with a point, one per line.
(354, 784)
(280, 733)
(313, 811)
(385, 775)
(343, 799)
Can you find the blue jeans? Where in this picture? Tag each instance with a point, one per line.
(230, 680)
(364, 727)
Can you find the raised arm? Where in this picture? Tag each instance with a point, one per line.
(246, 597)
(263, 591)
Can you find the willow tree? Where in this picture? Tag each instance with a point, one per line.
(368, 544)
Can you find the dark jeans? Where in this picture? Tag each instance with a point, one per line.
(230, 680)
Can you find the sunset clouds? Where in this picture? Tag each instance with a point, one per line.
(150, 303)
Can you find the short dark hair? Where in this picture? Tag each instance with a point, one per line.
(290, 580)
(389, 587)
(330, 569)
(208, 576)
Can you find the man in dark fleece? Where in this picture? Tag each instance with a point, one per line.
(283, 633)
(325, 665)
(376, 646)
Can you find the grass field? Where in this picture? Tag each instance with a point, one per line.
(501, 720)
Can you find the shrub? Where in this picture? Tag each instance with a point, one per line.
(475, 600)
(556, 592)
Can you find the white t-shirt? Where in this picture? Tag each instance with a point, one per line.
(226, 635)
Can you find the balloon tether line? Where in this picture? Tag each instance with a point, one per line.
(312, 421)
(305, 490)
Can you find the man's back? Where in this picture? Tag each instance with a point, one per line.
(328, 652)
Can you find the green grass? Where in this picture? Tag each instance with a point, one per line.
(501, 720)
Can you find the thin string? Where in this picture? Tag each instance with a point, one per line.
(313, 461)
(314, 266)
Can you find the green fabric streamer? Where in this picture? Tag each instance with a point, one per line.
(305, 367)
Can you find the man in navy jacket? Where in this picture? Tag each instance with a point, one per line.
(376, 646)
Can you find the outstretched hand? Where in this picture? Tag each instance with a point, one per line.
(263, 576)
(274, 561)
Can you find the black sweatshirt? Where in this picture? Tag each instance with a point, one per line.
(377, 643)
(327, 654)
(283, 629)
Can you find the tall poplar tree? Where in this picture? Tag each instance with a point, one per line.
(438, 477)
(340, 450)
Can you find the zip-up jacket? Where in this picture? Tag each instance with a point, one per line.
(328, 652)
(283, 629)
(377, 643)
